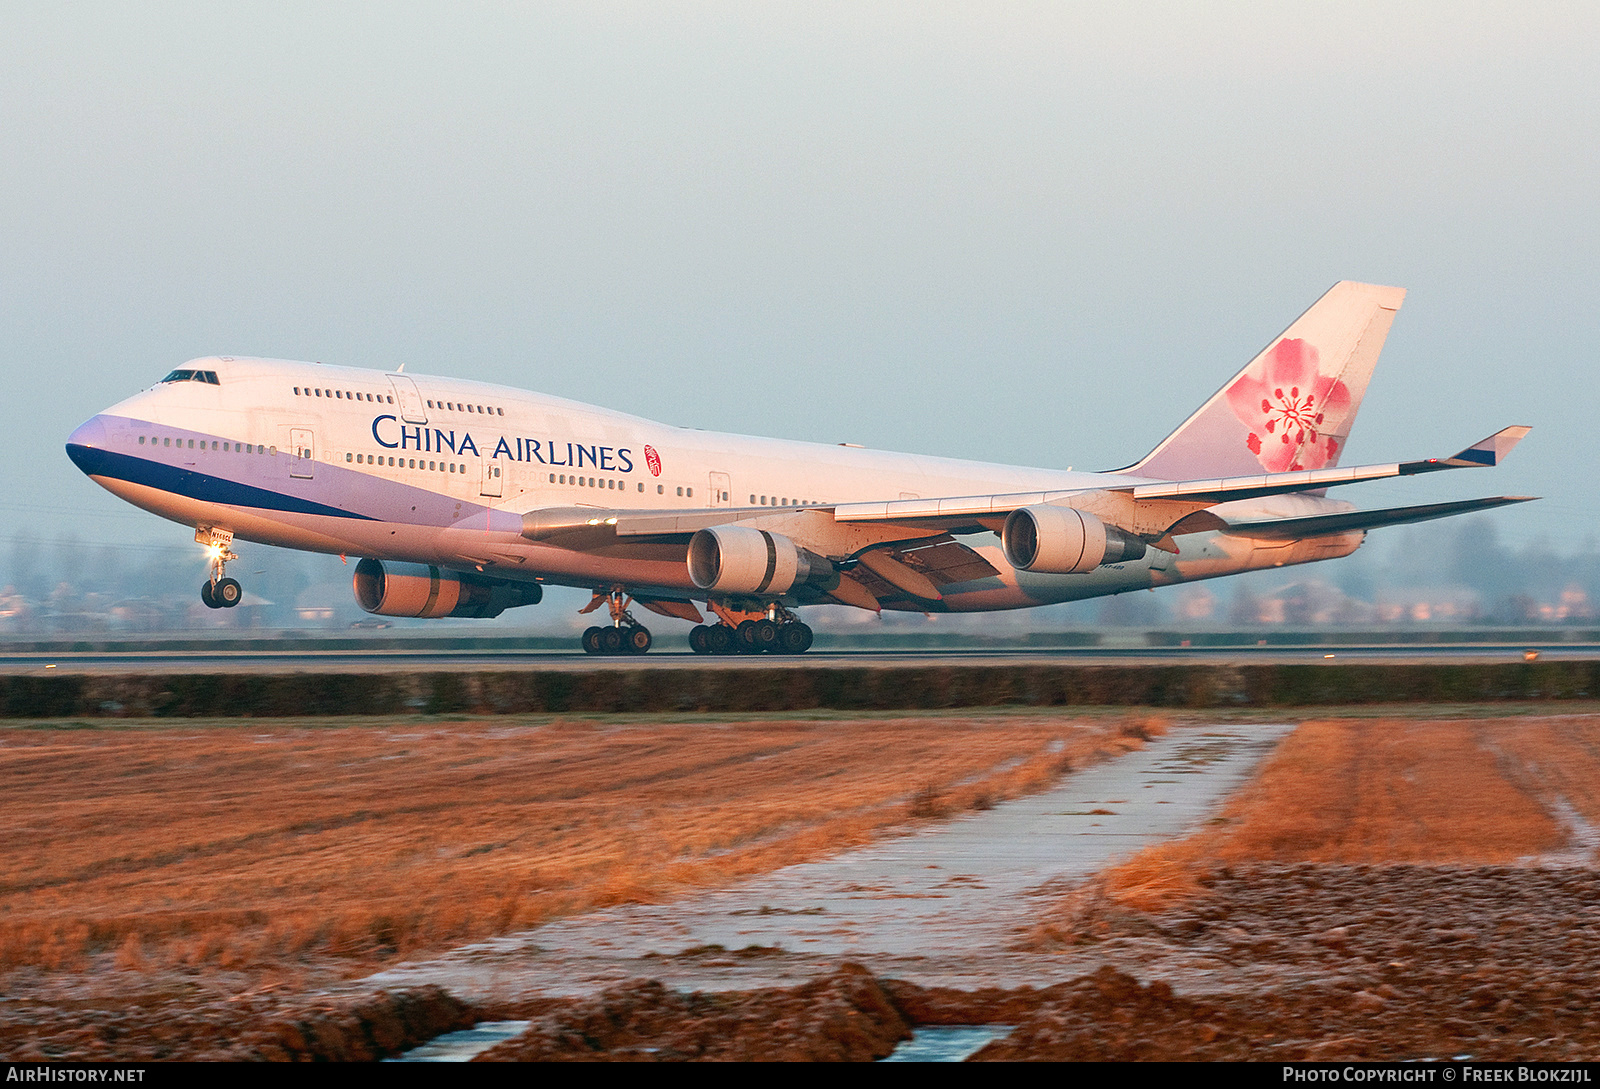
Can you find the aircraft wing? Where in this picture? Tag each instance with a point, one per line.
(1201, 493)
(1346, 521)
(905, 548)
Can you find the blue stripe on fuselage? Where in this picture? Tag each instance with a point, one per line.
(193, 485)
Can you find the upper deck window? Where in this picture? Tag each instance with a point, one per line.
(181, 375)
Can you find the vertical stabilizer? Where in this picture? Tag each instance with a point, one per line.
(1293, 406)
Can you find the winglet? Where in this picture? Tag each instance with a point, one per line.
(1486, 454)
(1492, 450)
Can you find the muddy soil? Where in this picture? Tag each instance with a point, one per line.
(188, 1021)
(1273, 963)
(1289, 963)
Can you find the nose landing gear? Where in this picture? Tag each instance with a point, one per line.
(219, 591)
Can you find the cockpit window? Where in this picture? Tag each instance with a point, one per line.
(193, 376)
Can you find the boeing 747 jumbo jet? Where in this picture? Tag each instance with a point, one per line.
(465, 498)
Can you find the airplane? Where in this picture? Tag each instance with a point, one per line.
(464, 499)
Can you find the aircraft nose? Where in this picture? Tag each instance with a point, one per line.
(86, 443)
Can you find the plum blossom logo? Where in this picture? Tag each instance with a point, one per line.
(653, 460)
(1290, 408)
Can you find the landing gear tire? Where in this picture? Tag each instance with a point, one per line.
(610, 640)
(697, 639)
(720, 639)
(226, 593)
(794, 638)
(205, 595)
(636, 640)
(764, 637)
(744, 637)
(591, 640)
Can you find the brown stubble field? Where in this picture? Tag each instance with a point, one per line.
(261, 848)
(1393, 791)
(1416, 883)
(1384, 888)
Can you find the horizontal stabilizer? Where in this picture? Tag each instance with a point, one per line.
(1348, 521)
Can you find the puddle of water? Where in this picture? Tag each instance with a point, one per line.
(946, 1043)
(458, 1047)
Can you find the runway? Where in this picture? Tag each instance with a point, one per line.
(246, 660)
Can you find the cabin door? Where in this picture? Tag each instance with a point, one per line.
(493, 485)
(407, 399)
(721, 490)
(302, 455)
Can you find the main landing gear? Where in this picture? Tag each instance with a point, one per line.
(779, 632)
(625, 635)
(219, 591)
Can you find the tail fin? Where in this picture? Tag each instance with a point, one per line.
(1293, 406)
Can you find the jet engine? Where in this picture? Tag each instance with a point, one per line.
(735, 560)
(1063, 541)
(416, 589)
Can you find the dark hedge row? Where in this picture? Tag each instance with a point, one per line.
(712, 688)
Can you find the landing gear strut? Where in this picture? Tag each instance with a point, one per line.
(625, 635)
(779, 632)
(219, 591)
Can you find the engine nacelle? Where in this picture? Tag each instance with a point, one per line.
(735, 560)
(416, 589)
(1063, 541)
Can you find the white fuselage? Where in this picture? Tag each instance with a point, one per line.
(440, 471)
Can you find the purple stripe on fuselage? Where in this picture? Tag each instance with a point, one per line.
(260, 481)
